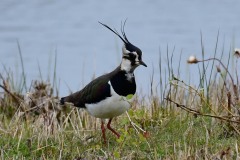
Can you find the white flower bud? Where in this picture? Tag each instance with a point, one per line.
(237, 52)
(192, 59)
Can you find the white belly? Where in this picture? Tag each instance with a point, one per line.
(110, 107)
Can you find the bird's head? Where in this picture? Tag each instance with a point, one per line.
(131, 55)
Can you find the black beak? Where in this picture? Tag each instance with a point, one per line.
(142, 63)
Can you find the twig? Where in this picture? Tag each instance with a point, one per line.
(216, 59)
(235, 89)
(134, 124)
(199, 113)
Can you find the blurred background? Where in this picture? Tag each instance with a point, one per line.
(69, 32)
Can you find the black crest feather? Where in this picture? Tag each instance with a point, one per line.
(123, 37)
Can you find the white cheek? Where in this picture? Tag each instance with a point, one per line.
(126, 65)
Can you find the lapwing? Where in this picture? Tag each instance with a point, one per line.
(107, 96)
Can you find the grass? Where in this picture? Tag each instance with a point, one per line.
(184, 122)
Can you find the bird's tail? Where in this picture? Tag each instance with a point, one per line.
(62, 100)
(72, 98)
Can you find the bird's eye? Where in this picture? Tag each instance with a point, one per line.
(132, 56)
(140, 57)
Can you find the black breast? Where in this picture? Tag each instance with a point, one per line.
(122, 85)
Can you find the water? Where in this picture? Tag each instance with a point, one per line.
(84, 48)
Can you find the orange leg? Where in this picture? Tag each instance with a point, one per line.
(111, 129)
(103, 132)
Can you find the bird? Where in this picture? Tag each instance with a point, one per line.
(106, 96)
